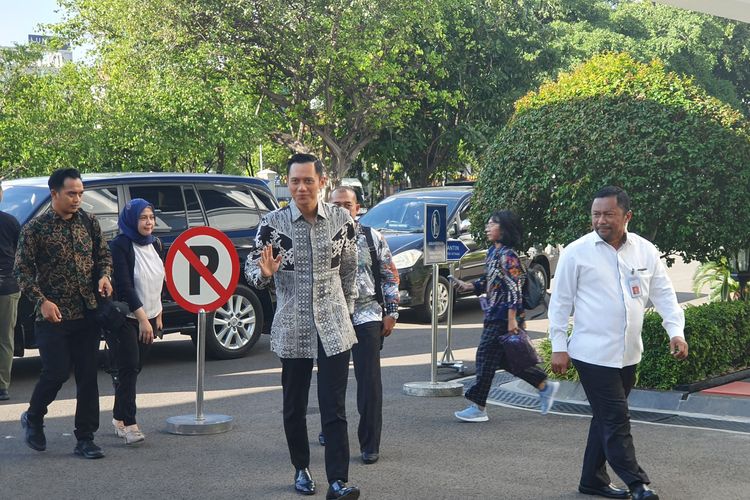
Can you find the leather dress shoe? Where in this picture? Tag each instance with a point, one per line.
(609, 491)
(339, 489)
(642, 492)
(87, 449)
(370, 458)
(321, 439)
(35, 438)
(303, 482)
(4, 396)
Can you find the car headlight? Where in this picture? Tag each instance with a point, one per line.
(407, 259)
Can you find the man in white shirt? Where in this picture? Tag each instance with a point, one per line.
(608, 276)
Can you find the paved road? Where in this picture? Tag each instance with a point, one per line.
(426, 454)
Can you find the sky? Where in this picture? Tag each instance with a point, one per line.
(19, 18)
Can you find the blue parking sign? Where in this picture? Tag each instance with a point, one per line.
(435, 233)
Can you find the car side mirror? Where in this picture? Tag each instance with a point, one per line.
(465, 226)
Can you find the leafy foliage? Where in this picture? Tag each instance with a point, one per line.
(680, 154)
(719, 338)
(717, 276)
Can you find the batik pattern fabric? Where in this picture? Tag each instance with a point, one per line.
(366, 307)
(503, 283)
(56, 261)
(315, 284)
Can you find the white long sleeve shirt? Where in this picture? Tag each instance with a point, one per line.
(597, 280)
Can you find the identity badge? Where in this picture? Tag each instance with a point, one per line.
(634, 284)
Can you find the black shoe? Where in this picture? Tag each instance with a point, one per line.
(370, 458)
(641, 492)
(339, 489)
(303, 482)
(321, 439)
(609, 491)
(34, 433)
(87, 449)
(4, 396)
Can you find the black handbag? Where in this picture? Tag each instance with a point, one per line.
(519, 353)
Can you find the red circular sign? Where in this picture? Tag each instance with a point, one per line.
(196, 285)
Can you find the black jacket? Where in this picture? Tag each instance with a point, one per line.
(123, 262)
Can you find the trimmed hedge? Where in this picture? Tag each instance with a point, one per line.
(718, 335)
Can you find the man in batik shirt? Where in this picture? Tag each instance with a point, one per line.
(308, 251)
(377, 287)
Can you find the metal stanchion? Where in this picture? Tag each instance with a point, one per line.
(448, 361)
(433, 387)
(199, 424)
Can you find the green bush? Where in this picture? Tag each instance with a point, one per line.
(681, 155)
(718, 336)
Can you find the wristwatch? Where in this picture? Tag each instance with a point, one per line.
(393, 315)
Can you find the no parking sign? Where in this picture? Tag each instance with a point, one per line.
(202, 269)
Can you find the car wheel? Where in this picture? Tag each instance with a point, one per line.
(425, 310)
(234, 328)
(541, 274)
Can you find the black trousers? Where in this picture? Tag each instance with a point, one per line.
(333, 373)
(72, 343)
(609, 437)
(126, 360)
(366, 356)
(490, 358)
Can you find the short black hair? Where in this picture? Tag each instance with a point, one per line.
(623, 200)
(57, 179)
(511, 228)
(306, 158)
(348, 189)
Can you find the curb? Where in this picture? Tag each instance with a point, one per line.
(713, 407)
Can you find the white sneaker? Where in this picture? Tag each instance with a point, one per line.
(133, 434)
(119, 428)
(472, 414)
(547, 396)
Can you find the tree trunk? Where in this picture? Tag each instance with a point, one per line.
(220, 157)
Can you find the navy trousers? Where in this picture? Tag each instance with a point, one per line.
(609, 437)
(333, 373)
(72, 343)
(127, 354)
(366, 356)
(490, 358)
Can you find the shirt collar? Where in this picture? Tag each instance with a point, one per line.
(296, 214)
(56, 217)
(596, 239)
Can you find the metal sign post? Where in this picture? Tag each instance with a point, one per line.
(434, 253)
(433, 352)
(448, 361)
(201, 287)
(455, 249)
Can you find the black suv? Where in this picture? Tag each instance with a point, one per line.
(231, 204)
(399, 218)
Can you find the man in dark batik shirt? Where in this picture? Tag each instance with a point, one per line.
(61, 264)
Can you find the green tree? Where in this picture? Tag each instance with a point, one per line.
(344, 69)
(713, 50)
(494, 52)
(47, 119)
(166, 104)
(681, 154)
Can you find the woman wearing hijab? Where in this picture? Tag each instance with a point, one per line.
(138, 281)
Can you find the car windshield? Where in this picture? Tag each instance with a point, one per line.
(402, 213)
(22, 202)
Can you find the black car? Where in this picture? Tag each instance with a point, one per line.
(231, 204)
(399, 218)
